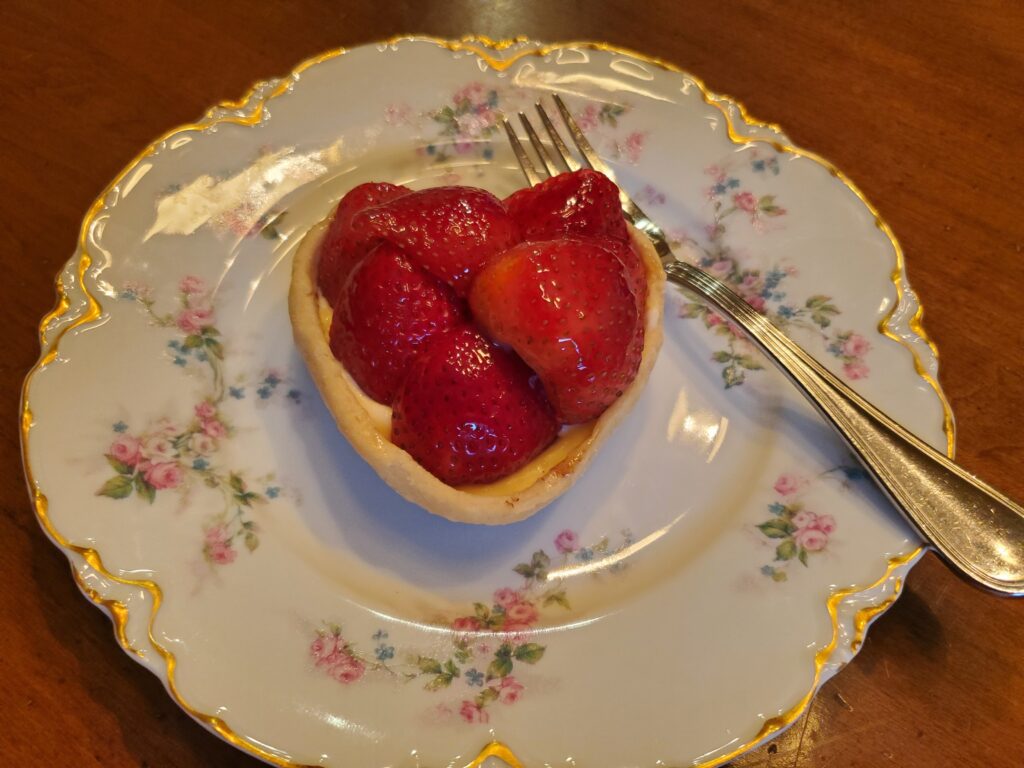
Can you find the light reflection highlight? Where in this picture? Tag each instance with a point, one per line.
(1006, 554)
(719, 438)
(136, 177)
(631, 68)
(699, 426)
(342, 724)
(720, 750)
(572, 56)
(579, 84)
(237, 203)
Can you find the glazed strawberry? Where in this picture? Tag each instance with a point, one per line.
(583, 202)
(470, 411)
(636, 274)
(449, 231)
(385, 312)
(336, 256)
(567, 308)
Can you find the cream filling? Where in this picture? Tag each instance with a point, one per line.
(567, 442)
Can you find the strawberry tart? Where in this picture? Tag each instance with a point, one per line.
(477, 351)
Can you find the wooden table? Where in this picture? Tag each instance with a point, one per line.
(919, 103)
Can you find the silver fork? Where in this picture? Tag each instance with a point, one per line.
(977, 529)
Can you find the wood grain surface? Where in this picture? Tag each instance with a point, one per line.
(920, 103)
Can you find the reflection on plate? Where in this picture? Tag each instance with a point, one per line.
(721, 558)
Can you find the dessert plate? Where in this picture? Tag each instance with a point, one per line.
(721, 558)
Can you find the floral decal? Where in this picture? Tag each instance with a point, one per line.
(488, 644)
(763, 289)
(331, 653)
(174, 456)
(466, 124)
(470, 122)
(798, 532)
(600, 121)
(851, 348)
(248, 220)
(593, 116)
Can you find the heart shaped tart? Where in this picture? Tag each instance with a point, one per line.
(474, 351)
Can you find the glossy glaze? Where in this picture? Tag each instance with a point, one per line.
(469, 411)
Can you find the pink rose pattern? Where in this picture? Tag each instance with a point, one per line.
(797, 532)
(335, 657)
(787, 485)
(732, 200)
(851, 348)
(179, 456)
(466, 125)
(469, 124)
(630, 148)
(601, 124)
(191, 285)
(566, 542)
(127, 450)
(169, 457)
(474, 713)
(489, 646)
(195, 319)
(217, 546)
(166, 474)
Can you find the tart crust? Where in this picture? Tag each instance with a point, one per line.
(505, 501)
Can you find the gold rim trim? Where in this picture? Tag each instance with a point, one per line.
(481, 47)
(861, 620)
(865, 616)
(498, 750)
(118, 613)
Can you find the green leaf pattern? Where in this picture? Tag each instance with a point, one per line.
(175, 456)
(796, 533)
(491, 645)
(764, 287)
(468, 124)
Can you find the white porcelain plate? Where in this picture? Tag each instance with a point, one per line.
(720, 559)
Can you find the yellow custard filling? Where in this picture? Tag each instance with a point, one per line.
(567, 442)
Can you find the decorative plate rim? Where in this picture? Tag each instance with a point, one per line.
(851, 610)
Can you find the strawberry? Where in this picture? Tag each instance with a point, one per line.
(336, 257)
(449, 231)
(385, 312)
(580, 203)
(470, 411)
(583, 202)
(636, 272)
(567, 308)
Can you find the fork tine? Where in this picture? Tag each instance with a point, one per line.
(541, 150)
(569, 162)
(529, 171)
(590, 157)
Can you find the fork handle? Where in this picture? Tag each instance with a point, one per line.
(972, 525)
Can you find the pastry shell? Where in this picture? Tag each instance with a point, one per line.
(365, 423)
